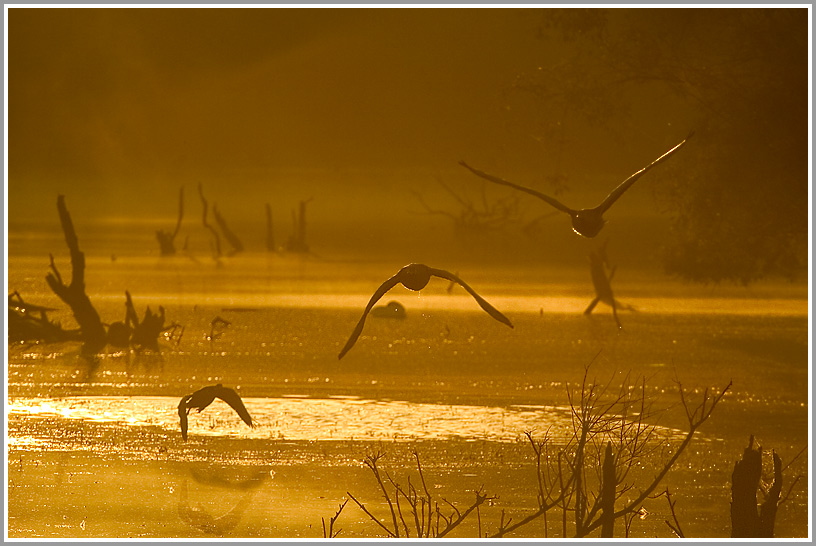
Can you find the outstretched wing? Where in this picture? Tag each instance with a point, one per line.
(384, 287)
(496, 180)
(492, 311)
(623, 186)
(182, 411)
(231, 397)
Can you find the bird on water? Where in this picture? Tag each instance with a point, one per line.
(204, 397)
(585, 222)
(415, 277)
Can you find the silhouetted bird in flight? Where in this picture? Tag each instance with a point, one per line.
(586, 222)
(416, 277)
(603, 284)
(204, 397)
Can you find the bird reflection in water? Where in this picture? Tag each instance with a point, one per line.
(237, 478)
(245, 478)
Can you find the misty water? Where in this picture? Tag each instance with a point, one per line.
(94, 449)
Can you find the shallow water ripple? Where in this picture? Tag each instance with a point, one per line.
(291, 418)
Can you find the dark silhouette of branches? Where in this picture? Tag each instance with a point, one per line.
(92, 331)
(675, 525)
(330, 532)
(229, 235)
(166, 244)
(297, 241)
(427, 518)
(611, 436)
(473, 217)
(589, 478)
(212, 230)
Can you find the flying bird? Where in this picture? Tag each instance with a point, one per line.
(416, 277)
(585, 222)
(204, 397)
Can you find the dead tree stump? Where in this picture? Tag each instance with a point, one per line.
(608, 493)
(746, 520)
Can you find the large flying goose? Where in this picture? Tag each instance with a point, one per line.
(416, 277)
(586, 222)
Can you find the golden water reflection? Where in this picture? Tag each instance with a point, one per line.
(293, 418)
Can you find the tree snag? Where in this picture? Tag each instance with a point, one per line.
(746, 520)
(166, 246)
(608, 494)
(216, 237)
(232, 239)
(297, 241)
(93, 332)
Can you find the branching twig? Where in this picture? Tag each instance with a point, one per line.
(331, 532)
(370, 515)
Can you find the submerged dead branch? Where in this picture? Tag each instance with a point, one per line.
(166, 240)
(297, 241)
(212, 230)
(229, 235)
(92, 331)
(29, 323)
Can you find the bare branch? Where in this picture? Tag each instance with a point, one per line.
(370, 515)
(331, 533)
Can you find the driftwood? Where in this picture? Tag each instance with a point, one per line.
(229, 235)
(746, 520)
(166, 245)
(93, 333)
(30, 323)
(142, 334)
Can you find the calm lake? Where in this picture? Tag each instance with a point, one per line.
(94, 448)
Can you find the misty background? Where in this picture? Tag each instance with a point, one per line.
(368, 111)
